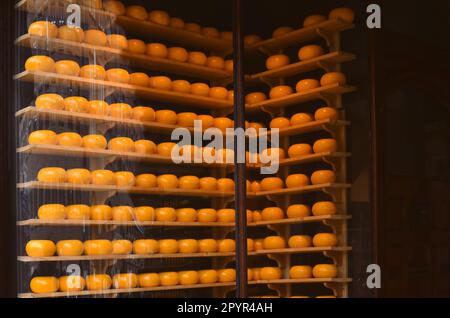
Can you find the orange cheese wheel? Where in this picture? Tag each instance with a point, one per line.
(186, 119)
(297, 180)
(50, 101)
(188, 246)
(40, 248)
(225, 185)
(148, 280)
(98, 282)
(200, 89)
(277, 61)
(197, 58)
(121, 247)
(255, 186)
(120, 110)
(300, 272)
(271, 184)
(272, 213)
(300, 119)
(145, 147)
(165, 149)
(178, 54)
(145, 247)
(181, 86)
(218, 93)
(207, 246)
(299, 150)
(161, 82)
(313, 20)
(252, 39)
(227, 275)
(208, 276)
(226, 215)
(186, 215)
(298, 211)
(136, 46)
(257, 217)
(307, 85)
(345, 14)
(71, 33)
(122, 144)
(71, 283)
(44, 284)
(333, 78)
(273, 243)
(168, 278)
(270, 153)
(324, 240)
(256, 126)
(206, 215)
(159, 17)
(280, 122)
(215, 62)
(258, 247)
(101, 213)
(229, 66)
(117, 41)
(299, 241)
(75, 104)
(193, 27)
(43, 137)
(69, 248)
(69, 139)
(189, 183)
(125, 281)
(40, 63)
(78, 212)
(97, 107)
(139, 79)
(137, 12)
(95, 72)
(125, 179)
(325, 145)
(52, 175)
(282, 31)
(95, 37)
(116, 7)
(44, 29)
(78, 176)
(166, 214)
(176, 23)
(270, 273)
(280, 91)
(250, 245)
(324, 208)
(208, 184)
(143, 113)
(144, 213)
(97, 247)
(94, 142)
(103, 177)
(211, 32)
(118, 75)
(188, 277)
(323, 176)
(223, 123)
(157, 50)
(52, 212)
(324, 113)
(324, 271)
(309, 52)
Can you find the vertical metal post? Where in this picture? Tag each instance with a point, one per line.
(240, 173)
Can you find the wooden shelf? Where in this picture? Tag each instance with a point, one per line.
(310, 127)
(326, 60)
(298, 98)
(134, 60)
(305, 159)
(36, 185)
(306, 189)
(139, 91)
(181, 287)
(300, 36)
(83, 223)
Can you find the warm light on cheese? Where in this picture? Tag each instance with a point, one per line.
(297, 180)
(252, 39)
(148, 280)
(274, 242)
(50, 101)
(161, 82)
(200, 89)
(71, 283)
(207, 246)
(226, 215)
(52, 175)
(71, 33)
(121, 247)
(188, 246)
(52, 212)
(93, 72)
(97, 247)
(43, 28)
(121, 144)
(197, 58)
(218, 93)
(270, 273)
(313, 20)
(333, 78)
(189, 183)
(159, 17)
(325, 271)
(158, 50)
(137, 46)
(300, 272)
(44, 285)
(95, 37)
(69, 248)
(222, 123)
(229, 66)
(40, 63)
(75, 104)
(188, 277)
(299, 241)
(324, 113)
(324, 240)
(280, 91)
(115, 7)
(227, 275)
(125, 179)
(94, 142)
(208, 276)
(166, 215)
(309, 52)
(178, 54)
(307, 85)
(300, 119)
(143, 113)
(323, 176)
(216, 62)
(166, 117)
(118, 75)
(193, 27)
(168, 278)
(101, 213)
(225, 185)
(98, 282)
(139, 79)
(137, 12)
(272, 213)
(325, 145)
(78, 176)
(78, 212)
(299, 150)
(298, 211)
(125, 281)
(40, 248)
(211, 32)
(43, 137)
(176, 23)
(271, 184)
(69, 139)
(103, 177)
(97, 107)
(206, 215)
(165, 149)
(117, 41)
(145, 147)
(145, 247)
(345, 14)
(181, 86)
(277, 61)
(186, 119)
(278, 32)
(144, 214)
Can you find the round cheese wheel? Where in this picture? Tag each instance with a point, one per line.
(186, 119)
(297, 180)
(254, 98)
(258, 247)
(197, 58)
(181, 86)
(252, 39)
(225, 185)
(313, 20)
(93, 72)
(211, 32)
(40, 63)
(71, 33)
(276, 153)
(208, 276)
(168, 278)
(300, 272)
(69, 248)
(52, 212)
(207, 246)
(116, 7)
(218, 93)
(76, 104)
(161, 82)
(121, 247)
(44, 29)
(188, 246)
(52, 175)
(300, 119)
(97, 107)
(98, 282)
(120, 110)
(122, 144)
(325, 145)
(101, 213)
(148, 280)
(226, 215)
(97, 247)
(165, 149)
(299, 150)
(206, 215)
(189, 183)
(145, 147)
(178, 54)
(324, 271)
(186, 215)
(255, 186)
(136, 46)
(103, 177)
(272, 213)
(176, 23)
(50, 101)
(69, 139)
(306, 85)
(270, 273)
(323, 176)
(143, 113)
(159, 17)
(125, 281)
(157, 50)
(43, 137)
(167, 182)
(137, 12)
(229, 66)
(44, 284)
(278, 32)
(168, 246)
(324, 208)
(223, 123)
(117, 41)
(277, 61)
(208, 184)
(298, 211)
(344, 14)
(309, 52)
(324, 240)
(125, 179)
(144, 213)
(188, 277)
(227, 275)
(145, 247)
(271, 184)
(94, 142)
(333, 78)
(299, 241)
(193, 27)
(95, 37)
(200, 89)
(78, 212)
(40, 248)
(146, 181)
(118, 75)
(324, 113)
(273, 243)
(78, 176)
(71, 283)
(215, 62)
(280, 91)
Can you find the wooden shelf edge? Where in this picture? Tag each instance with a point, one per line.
(291, 191)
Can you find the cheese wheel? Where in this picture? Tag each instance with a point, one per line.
(226, 215)
(69, 248)
(157, 50)
(324, 113)
(188, 246)
(325, 145)
(78, 176)
(186, 119)
(208, 184)
(98, 282)
(197, 58)
(52, 212)
(120, 110)
(193, 27)
(116, 7)
(298, 211)
(40, 63)
(159, 17)
(161, 82)
(254, 98)
(71, 33)
(76, 104)
(137, 12)
(297, 180)
(145, 247)
(71, 283)
(300, 272)
(200, 89)
(146, 180)
(324, 240)
(306, 85)
(332, 78)
(227, 275)
(101, 213)
(258, 247)
(122, 144)
(309, 52)
(167, 182)
(94, 142)
(186, 215)
(188, 277)
(165, 149)
(125, 179)
(52, 175)
(299, 150)
(148, 280)
(273, 243)
(313, 20)
(145, 147)
(44, 29)
(223, 123)
(280, 91)
(178, 54)
(143, 113)
(229, 66)
(206, 215)
(324, 271)
(277, 61)
(300, 119)
(225, 185)
(136, 46)
(166, 214)
(97, 247)
(125, 281)
(118, 75)
(218, 93)
(168, 278)
(211, 32)
(208, 276)
(252, 39)
(271, 184)
(78, 212)
(324, 208)
(176, 23)
(44, 284)
(270, 273)
(121, 247)
(117, 41)
(299, 241)
(181, 86)
(189, 183)
(269, 153)
(281, 31)
(226, 35)
(255, 186)
(50, 101)
(272, 213)
(40, 248)
(144, 213)
(97, 107)
(323, 176)
(168, 246)
(103, 177)
(344, 14)
(215, 62)
(94, 72)
(95, 37)
(43, 137)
